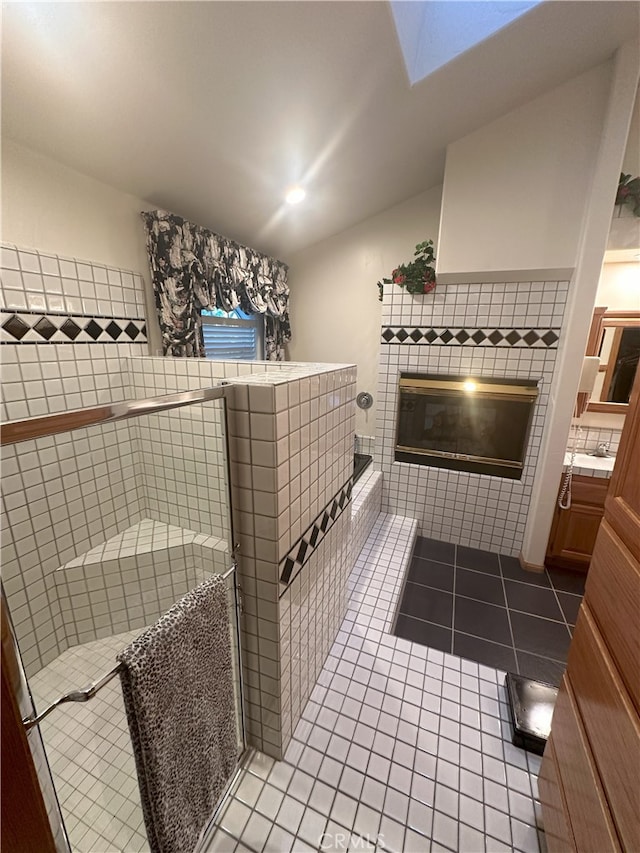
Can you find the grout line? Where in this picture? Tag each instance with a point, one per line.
(426, 622)
(481, 601)
(506, 601)
(543, 657)
(436, 588)
(565, 621)
(453, 607)
(439, 562)
(487, 640)
(562, 621)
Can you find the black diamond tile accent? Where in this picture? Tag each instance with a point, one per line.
(388, 335)
(289, 565)
(550, 338)
(113, 330)
(495, 337)
(93, 330)
(70, 329)
(16, 327)
(402, 335)
(462, 336)
(431, 336)
(45, 328)
(302, 550)
(446, 336)
(531, 337)
(143, 331)
(478, 336)
(132, 330)
(416, 336)
(513, 337)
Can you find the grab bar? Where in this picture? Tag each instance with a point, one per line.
(90, 691)
(13, 432)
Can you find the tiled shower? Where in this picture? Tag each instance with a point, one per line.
(106, 527)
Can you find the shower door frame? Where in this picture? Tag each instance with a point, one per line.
(14, 432)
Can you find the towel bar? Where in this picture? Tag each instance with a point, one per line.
(73, 696)
(28, 429)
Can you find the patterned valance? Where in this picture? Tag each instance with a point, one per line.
(192, 268)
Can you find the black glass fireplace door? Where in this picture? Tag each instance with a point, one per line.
(479, 433)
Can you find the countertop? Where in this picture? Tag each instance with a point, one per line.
(590, 466)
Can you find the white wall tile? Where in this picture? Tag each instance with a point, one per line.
(470, 509)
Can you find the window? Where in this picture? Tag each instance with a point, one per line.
(233, 335)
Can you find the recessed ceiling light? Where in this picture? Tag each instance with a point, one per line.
(295, 195)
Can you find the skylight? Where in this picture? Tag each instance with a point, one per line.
(433, 33)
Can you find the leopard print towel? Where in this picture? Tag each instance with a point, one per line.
(177, 683)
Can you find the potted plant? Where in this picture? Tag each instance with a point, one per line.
(418, 276)
(629, 193)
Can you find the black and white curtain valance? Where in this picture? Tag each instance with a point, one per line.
(192, 268)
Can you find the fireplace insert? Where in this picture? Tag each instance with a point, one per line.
(475, 424)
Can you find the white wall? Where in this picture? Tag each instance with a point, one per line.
(51, 208)
(590, 255)
(515, 190)
(619, 287)
(335, 312)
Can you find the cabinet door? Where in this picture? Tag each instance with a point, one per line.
(602, 669)
(573, 536)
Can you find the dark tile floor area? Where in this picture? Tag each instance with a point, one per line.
(486, 608)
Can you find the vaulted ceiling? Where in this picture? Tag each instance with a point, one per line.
(211, 109)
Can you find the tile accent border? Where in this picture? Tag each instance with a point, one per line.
(34, 327)
(299, 554)
(487, 337)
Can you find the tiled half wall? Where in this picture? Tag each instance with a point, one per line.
(292, 459)
(484, 329)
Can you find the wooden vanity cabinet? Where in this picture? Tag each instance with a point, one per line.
(574, 530)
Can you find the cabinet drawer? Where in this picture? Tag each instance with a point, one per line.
(613, 595)
(611, 725)
(557, 831)
(589, 815)
(589, 490)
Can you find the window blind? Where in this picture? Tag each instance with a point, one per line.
(231, 339)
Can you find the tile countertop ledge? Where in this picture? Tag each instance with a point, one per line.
(590, 466)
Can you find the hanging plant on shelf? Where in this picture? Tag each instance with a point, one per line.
(418, 276)
(629, 193)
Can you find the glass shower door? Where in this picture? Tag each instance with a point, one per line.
(139, 514)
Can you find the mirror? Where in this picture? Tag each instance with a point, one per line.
(615, 338)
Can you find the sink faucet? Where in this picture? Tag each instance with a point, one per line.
(602, 449)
